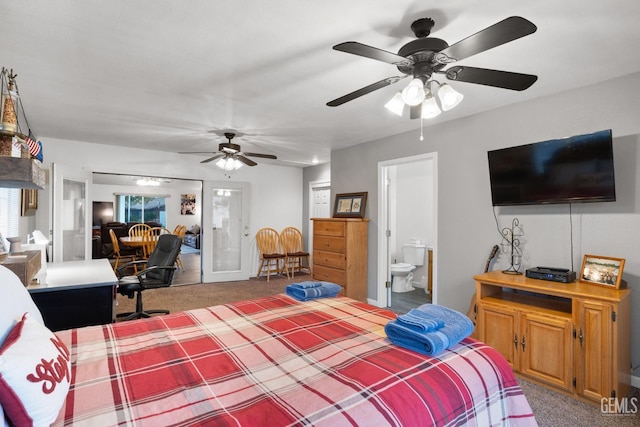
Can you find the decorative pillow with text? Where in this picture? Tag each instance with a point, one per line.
(35, 374)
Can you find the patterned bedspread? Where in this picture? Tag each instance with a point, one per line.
(275, 361)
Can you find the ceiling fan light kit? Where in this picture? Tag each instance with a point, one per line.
(425, 56)
(449, 97)
(430, 108)
(229, 164)
(396, 104)
(414, 93)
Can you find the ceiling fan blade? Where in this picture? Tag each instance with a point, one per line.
(367, 51)
(196, 152)
(265, 156)
(415, 111)
(215, 156)
(503, 32)
(365, 90)
(244, 160)
(495, 78)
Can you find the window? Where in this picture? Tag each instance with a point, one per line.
(9, 214)
(137, 208)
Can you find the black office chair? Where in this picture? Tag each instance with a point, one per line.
(158, 273)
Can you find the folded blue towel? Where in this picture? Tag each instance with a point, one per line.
(305, 291)
(307, 285)
(456, 327)
(421, 320)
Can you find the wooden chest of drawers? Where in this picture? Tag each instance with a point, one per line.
(340, 254)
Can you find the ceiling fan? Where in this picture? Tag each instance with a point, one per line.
(228, 150)
(425, 56)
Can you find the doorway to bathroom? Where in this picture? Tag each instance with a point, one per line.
(407, 209)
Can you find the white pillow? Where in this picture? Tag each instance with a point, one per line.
(14, 303)
(35, 374)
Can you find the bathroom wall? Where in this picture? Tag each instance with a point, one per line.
(412, 210)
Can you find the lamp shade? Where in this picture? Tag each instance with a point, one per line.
(449, 97)
(395, 104)
(429, 108)
(414, 93)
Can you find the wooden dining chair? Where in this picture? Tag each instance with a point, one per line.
(180, 231)
(138, 230)
(118, 255)
(271, 255)
(151, 239)
(294, 253)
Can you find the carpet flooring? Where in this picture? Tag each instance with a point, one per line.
(550, 408)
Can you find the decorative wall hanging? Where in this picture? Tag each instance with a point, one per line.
(188, 204)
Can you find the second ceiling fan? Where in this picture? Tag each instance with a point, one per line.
(426, 56)
(229, 152)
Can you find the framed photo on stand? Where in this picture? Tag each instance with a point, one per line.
(602, 271)
(350, 205)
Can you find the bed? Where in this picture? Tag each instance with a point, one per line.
(277, 361)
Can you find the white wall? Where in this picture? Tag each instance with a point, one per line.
(276, 191)
(466, 225)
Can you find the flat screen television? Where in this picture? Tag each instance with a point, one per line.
(102, 213)
(567, 170)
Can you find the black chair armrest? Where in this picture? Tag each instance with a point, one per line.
(119, 271)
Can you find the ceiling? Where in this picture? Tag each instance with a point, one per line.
(174, 75)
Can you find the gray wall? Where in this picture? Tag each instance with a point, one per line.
(466, 224)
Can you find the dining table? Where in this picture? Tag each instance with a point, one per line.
(136, 241)
(146, 243)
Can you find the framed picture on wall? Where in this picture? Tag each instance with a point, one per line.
(188, 204)
(350, 205)
(602, 271)
(29, 202)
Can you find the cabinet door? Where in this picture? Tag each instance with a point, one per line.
(546, 349)
(594, 350)
(498, 328)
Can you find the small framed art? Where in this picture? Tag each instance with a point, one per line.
(29, 202)
(602, 271)
(350, 205)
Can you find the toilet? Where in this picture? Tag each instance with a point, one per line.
(402, 272)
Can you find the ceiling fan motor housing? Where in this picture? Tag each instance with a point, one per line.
(422, 52)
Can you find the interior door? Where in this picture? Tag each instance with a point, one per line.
(226, 236)
(71, 225)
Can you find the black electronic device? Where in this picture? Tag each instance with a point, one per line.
(575, 169)
(553, 274)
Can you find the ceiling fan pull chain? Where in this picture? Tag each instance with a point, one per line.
(421, 134)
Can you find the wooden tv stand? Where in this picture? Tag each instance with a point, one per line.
(573, 337)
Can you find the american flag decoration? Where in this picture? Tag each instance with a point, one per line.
(38, 156)
(34, 147)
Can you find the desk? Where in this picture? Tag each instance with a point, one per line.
(76, 294)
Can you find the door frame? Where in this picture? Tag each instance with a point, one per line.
(60, 173)
(384, 261)
(206, 243)
(312, 186)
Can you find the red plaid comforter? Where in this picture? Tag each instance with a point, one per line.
(276, 361)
